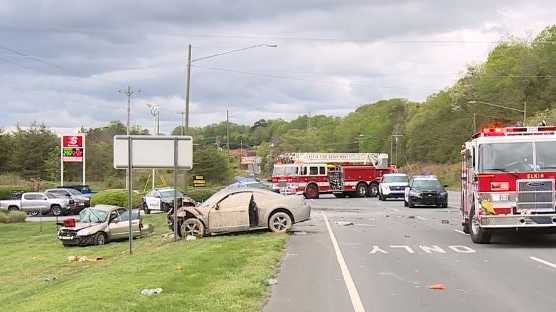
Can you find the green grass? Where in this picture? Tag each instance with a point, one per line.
(222, 273)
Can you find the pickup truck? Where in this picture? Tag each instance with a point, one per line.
(37, 203)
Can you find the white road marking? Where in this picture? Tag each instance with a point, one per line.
(404, 247)
(459, 231)
(421, 218)
(462, 249)
(550, 264)
(350, 285)
(430, 249)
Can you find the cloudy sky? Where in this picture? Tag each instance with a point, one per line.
(63, 62)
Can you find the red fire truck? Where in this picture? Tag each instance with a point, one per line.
(358, 181)
(508, 181)
(309, 173)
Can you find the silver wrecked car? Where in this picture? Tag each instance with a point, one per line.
(100, 224)
(241, 209)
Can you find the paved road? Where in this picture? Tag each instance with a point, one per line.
(391, 255)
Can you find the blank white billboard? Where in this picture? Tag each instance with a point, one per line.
(150, 151)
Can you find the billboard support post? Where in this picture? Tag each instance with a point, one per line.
(130, 189)
(176, 190)
(62, 161)
(83, 160)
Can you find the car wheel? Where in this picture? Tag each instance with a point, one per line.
(100, 238)
(56, 210)
(13, 208)
(280, 222)
(146, 209)
(478, 235)
(373, 190)
(165, 207)
(312, 191)
(361, 190)
(192, 227)
(405, 203)
(445, 205)
(465, 227)
(410, 204)
(34, 213)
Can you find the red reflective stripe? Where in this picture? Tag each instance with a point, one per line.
(503, 210)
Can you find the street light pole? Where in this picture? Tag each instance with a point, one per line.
(187, 87)
(155, 112)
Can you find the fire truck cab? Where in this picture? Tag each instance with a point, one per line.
(508, 181)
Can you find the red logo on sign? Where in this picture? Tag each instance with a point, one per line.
(72, 141)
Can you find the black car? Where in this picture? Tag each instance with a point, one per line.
(426, 191)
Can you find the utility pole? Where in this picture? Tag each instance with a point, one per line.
(524, 111)
(187, 87)
(129, 93)
(395, 137)
(228, 131)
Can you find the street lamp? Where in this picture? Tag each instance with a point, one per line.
(155, 112)
(524, 110)
(189, 61)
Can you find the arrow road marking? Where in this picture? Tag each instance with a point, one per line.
(350, 285)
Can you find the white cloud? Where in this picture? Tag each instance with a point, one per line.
(332, 57)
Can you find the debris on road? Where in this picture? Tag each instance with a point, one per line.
(50, 278)
(84, 259)
(344, 223)
(190, 237)
(444, 221)
(299, 233)
(438, 286)
(271, 281)
(411, 217)
(151, 292)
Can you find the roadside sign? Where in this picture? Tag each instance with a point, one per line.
(199, 181)
(72, 149)
(154, 151)
(149, 152)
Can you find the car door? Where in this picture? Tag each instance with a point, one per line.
(153, 200)
(31, 201)
(123, 224)
(231, 213)
(117, 227)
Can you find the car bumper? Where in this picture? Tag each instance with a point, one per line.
(394, 194)
(519, 221)
(428, 201)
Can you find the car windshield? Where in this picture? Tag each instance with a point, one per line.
(92, 215)
(394, 179)
(170, 194)
(517, 156)
(74, 192)
(427, 185)
(285, 170)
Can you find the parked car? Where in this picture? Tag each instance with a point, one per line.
(84, 189)
(426, 191)
(163, 200)
(79, 201)
(101, 224)
(36, 203)
(393, 185)
(241, 209)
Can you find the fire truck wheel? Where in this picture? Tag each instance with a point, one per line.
(312, 191)
(478, 235)
(373, 190)
(361, 190)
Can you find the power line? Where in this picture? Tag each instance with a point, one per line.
(35, 58)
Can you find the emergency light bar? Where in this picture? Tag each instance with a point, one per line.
(516, 131)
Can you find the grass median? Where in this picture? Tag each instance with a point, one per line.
(221, 273)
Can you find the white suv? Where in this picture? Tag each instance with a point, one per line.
(393, 186)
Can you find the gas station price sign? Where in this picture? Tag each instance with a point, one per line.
(73, 148)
